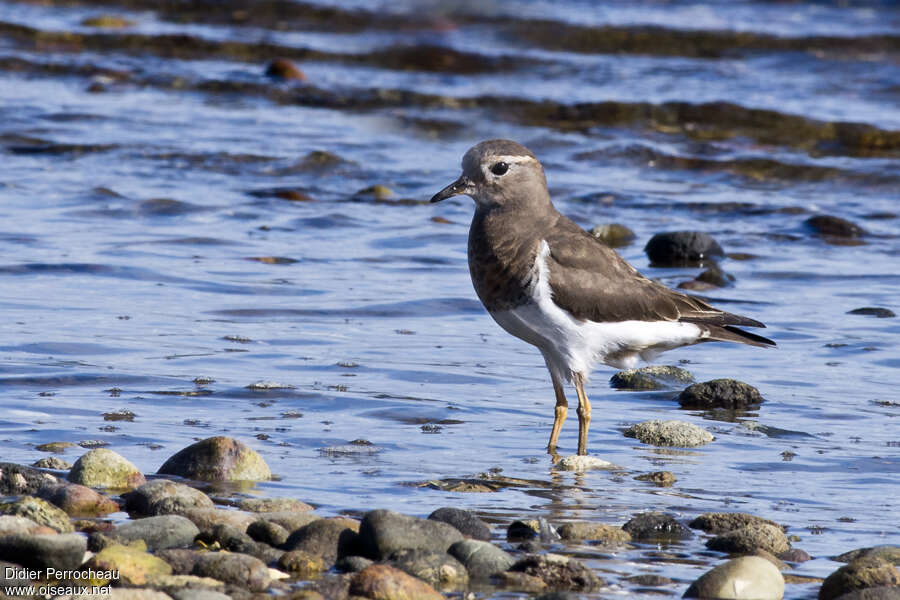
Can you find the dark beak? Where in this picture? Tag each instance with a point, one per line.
(460, 186)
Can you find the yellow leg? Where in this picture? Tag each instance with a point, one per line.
(584, 413)
(562, 409)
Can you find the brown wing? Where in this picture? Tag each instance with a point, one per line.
(592, 282)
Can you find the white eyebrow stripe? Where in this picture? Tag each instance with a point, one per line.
(513, 159)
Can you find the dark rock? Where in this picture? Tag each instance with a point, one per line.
(714, 275)
(438, 569)
(655, 377)
(162, 497)
(656, 527)
(383, 532)
(282, 68)
(649, 580)
(301, 564)
(328, 538)
(520, 531)
(465, 521)
(717, 523)
(290, 520)
(660, 478)
(40, 511)
(385, 582)
(218, 459)
(228, 537)
(481, 559)
(17, 480)
(353, 564)
(750, 538)
(51, 462)
(268, 532)
(242, 570)
(557, 595)
(587, 530)
(795, 555)
(78, 500)
(872, 311)
(682, 248)
(521, 582)
(834, 226)
(60, 551)
(559, 572)
(181, 560)
(720, 393)
(886, 552)
(743, 578)
(614, 235)
(882, 592)
(159, 533)
(862, 573)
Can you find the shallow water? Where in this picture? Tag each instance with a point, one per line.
(145, 244)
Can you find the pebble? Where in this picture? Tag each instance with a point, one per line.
(326, 538)
(17, 480)
(78, 500)
(282, 68)
(559, 572)
(720, 393)
(438, 569)
(158, 533)
(654, 377)
(656, 527)
(682, 248)
(834, 226)
(586, 530)
(55, 447)
(660, 478)
(752, 537)
(723, 522)
(273, 505)
(885, 552)
(218, 458)
(135, 565)
(614, 235)
(40, 511)
(103, 468)
(384, 582)
(242, 570)
(291, 521)
(464, 521)
(480, 558)
(302, 564)
(353, 564)
(580, 463)
(678, 434)
(52, 462)
(881, 592)
(60, 551)
(865, 572)
(383, 532)
(161, 497)
(743, 578)
(268, 532)
(873, 311)
(519, 531)
(207, 518)
(107, 22)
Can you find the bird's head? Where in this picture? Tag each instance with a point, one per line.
(499, 173)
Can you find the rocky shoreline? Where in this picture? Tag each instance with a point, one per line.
(57, 540)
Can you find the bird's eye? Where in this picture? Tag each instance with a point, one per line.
(499, 168)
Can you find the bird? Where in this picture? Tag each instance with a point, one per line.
(550, 283)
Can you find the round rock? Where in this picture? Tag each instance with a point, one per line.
(834, 226)
(435, 568)
(16, 480)
(282, 68)
(384, 582)
(744, 578)
(465, 521)
(103, 468)
(724, 522)
(585, 530)
(159, 533)
(559, 572)
(60, 551)
(481, 559)
(326, 538)
(614, 235)
(162, 497)
(873, 311)
(720, 393)
(654, 377)
(218, 459)
(750, 538)
(860, 574)
(239, 569)
(885, 552)
(682, 248)
(678, 434)
(40, 511)
(581, 463)
(656, 527)
(135, 566)
(79, 500)
(383, 532)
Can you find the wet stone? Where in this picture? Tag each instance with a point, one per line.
(581, 463)
(614, 235)
(301, 564)
(660, 478)
(55, 447)
(158, 533)
(586, 530)
(715, 276)
(261, 505)
(481, 559)
(679, 434)
(873, 311)
(60, 551)
(353, 564)
(829, 225)
(559, 572)
(52, 462)
(107, 22)
(328, 539)
(463, 520)
(882, 592)
(207, 518)
(160, 497)
(290, 520)
(655, 377)
(438, 569)
(720, 393)
(218, 459)
(384, 582)
(16, 524)
(520, 531)
(78, 500)
(682, 248)
(886, 552)
(795, 555)
(135, 566)
(750, 538)
(724, 522)
(268, 532)
(16, 479)
(181, 560)
(103, 468)
(744, 578)
(656, 527)
(238, 569)
(383, 532)
(649, 580)
(521, 582)
(40, 511)
(282, 68)
(862, 573)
